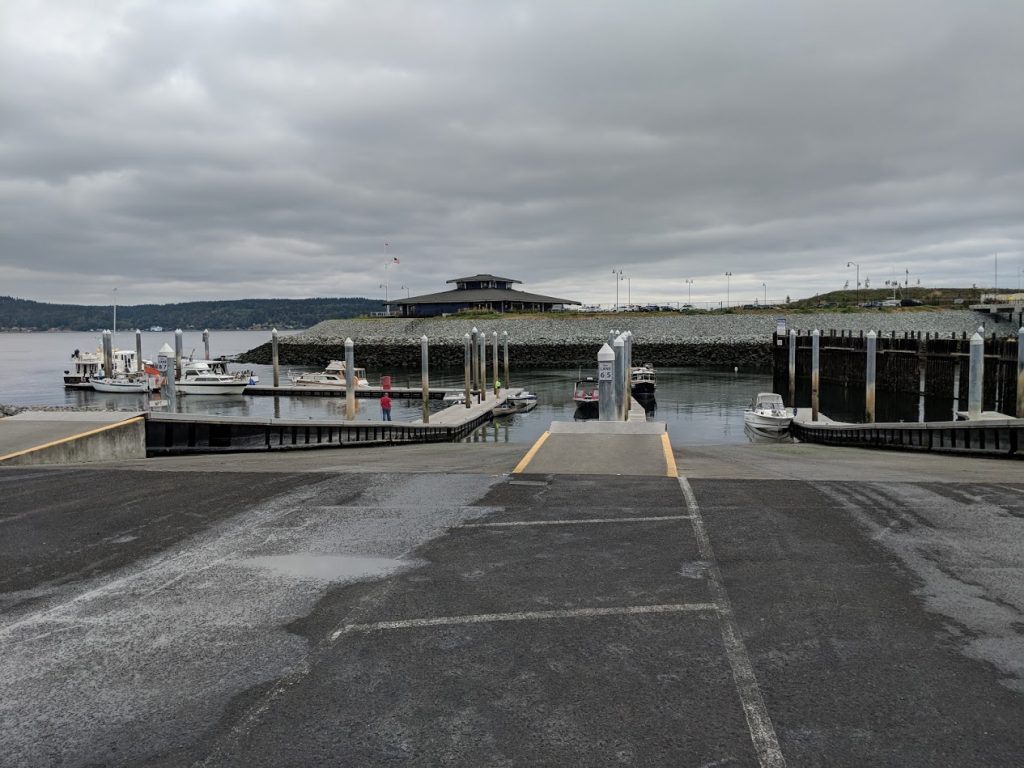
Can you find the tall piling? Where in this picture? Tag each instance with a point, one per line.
(108, 354)
(605, 379)
(474, 350)
(869, 377)
(482, 360)
(165, 364)
(504, 344)
(494, 354)
(350, 383)
(976, 377)
(618, 379)
(206, 344)
(815, 372)
(467, 351)
(138, 351)
(792, 367)
(178, 346)
(1020, 372)
(425, 378)
(274, 358)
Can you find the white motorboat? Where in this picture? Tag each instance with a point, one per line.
(767, 413)
(87, 366)
(122, 384)
(198, 378)
(455, 397)
(642, 380)
(331, 376)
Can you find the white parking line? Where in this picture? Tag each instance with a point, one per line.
(584, 521)
(486, 618)
(762, 732)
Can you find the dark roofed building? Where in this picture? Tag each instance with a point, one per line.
(486, 292)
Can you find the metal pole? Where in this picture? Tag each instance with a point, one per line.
(976, 377)
(482, 360)
(618, 390)
(350, 384)
(605, 379)
(467, 348)
(792, 367)
(138, 350)
(494, 341)
(178, 345)
(206, 344)
(425, 378)
(869, 378)
(504, 343)
(474, 349)
(815, 361)
(108, 354)
(1020, 372)
(274, 359)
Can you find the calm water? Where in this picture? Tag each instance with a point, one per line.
(700, 405)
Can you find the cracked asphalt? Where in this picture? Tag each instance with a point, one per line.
(367, 610)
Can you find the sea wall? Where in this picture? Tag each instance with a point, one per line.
(566, 340)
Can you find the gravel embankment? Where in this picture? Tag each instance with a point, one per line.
(569, 340)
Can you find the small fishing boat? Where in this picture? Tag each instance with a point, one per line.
(767, 413)
(642, 380)
(455, 397)
(333, 376)
(123, 384)
(585, 393)
(198, 378)
(517, 401)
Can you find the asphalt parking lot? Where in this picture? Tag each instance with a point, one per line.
(164, 615)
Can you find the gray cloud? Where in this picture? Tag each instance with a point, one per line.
(195, 150)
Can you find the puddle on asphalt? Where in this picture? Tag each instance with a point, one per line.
(306, 565)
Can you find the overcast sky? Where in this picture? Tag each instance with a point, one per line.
(189, 150)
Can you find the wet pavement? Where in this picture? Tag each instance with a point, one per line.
(322, 611)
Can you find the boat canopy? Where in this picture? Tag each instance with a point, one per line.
(768, 400)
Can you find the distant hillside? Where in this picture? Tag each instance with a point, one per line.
(23, 314)
(938, 297)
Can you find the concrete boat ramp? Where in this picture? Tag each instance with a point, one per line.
(596, 599)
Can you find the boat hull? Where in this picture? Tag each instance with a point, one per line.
(767, 423)
(210, 389)
(644, 388)
(122, 388)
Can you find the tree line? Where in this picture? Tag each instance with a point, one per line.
(244, 314)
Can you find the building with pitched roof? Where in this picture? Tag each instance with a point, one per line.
(486, 292)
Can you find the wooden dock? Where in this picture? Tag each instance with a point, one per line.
(397, 393)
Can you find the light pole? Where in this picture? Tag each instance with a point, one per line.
(689, 292)
(728, 275)
(618, 278)
(855, 264)
(765, 286)
(384, 285)
(406, 289)
(629, 294)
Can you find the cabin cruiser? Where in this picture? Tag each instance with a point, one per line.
(87, 366)
(585, 393)
(199, 378)
(767, 413)
(331, 376)
(642, 380)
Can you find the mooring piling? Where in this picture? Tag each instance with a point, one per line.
(504, 342)
(482, 360)
(1020, 372)
(165, 364)
(274, 359)
(350, 379)
(138, 351)
(467, 350)
(494, 354)
(178, 347)
(869, 377)
(976, 377)
(425, 377)
(605, 379)
(792, 368)
(474, 350)
(206, 344)
(618, 377)
(108, 354)
(815, 372)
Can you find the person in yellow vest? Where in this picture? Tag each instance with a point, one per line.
(497, 386)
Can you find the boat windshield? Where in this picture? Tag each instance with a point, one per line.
(768, 400)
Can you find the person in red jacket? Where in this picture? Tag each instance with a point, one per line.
(385, 407)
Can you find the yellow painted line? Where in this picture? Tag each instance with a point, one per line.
(52, 443)
(670, 460)
(530, 453)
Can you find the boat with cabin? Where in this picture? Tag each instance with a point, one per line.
(199, 378)
(333, 376)
(767, 413)
(642, 380)
(585, 393)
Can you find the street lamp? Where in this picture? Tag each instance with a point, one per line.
(689, 292)
(406, 289)
(629, 294)
(765, 286)
(728, 275)
(855, 264)
(618, 278)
